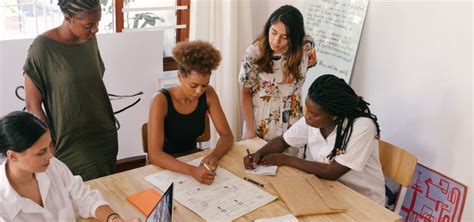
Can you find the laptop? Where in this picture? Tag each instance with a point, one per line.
(163, 210)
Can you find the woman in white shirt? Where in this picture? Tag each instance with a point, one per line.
(341, 138)
(35, 186)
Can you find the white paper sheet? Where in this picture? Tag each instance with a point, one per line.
(284, 218)
(227, 198)
(264, 170)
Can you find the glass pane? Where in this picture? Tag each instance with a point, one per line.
(106, 24)
(28, 18)
(153, 18)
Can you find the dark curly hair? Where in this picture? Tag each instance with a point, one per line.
(199, 56)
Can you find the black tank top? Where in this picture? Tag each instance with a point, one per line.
(181, 131)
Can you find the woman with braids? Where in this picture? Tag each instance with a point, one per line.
(35, 186)
(63, 73)
(177, 114)
(341, 138)
(272, 74)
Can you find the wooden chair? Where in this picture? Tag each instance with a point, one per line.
(139, 161)
(398, 165)
(206, 136)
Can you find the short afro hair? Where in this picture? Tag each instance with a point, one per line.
(199, 56)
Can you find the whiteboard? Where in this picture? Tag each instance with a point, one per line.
(335, 26)
(133, 63)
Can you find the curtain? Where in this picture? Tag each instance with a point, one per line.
(227, 25)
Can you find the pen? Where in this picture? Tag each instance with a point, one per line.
(207, 167)
(248, 153)
(250, 158)
(254, 182)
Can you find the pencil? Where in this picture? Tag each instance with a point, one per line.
(254, 182)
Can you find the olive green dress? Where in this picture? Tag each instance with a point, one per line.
(79, 112)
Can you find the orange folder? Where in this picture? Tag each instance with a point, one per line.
(145, 200)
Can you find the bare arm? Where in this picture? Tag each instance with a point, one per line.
(156, 155)
(226, 138)
(247, 112)
(276, 145)
(271, 155)
(331, 171)
(104, 211)
(33, 98)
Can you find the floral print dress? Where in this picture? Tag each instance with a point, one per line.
(276, 102)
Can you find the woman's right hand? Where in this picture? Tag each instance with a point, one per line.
(202, 175)
(251, 161)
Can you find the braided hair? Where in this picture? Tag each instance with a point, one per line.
(73, 7)
(337, 98)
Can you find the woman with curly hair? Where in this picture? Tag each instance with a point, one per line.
(177, 114)
(272, 75)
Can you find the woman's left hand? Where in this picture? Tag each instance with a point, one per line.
(274, 159)
(211, 161)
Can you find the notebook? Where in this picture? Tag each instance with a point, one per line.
(264, 170)
(145, 201)
(163, 210)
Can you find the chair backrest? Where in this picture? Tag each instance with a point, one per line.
(206, 135)
(397, 164)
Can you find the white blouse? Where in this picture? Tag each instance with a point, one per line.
(361, 156)
(63, 196)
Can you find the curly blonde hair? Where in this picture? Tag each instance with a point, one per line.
(199, 56)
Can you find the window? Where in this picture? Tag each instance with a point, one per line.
(169, 15)
(28, 18)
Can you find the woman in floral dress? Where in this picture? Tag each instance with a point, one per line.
(272, 75)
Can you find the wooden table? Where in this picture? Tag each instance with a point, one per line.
(117, 187)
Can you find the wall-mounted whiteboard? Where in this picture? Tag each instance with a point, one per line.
(133, 64)
(336, 26)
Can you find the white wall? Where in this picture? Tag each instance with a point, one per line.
(414, 66)
(129, 70)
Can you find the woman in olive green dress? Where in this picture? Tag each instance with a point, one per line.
(63, 73)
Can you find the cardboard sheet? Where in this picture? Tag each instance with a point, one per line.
(306, 195)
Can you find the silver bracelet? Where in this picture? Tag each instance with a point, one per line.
(112, 217)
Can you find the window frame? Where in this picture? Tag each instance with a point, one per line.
(182, 17)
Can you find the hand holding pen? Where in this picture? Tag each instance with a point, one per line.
(203, 174)
(251, 160)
